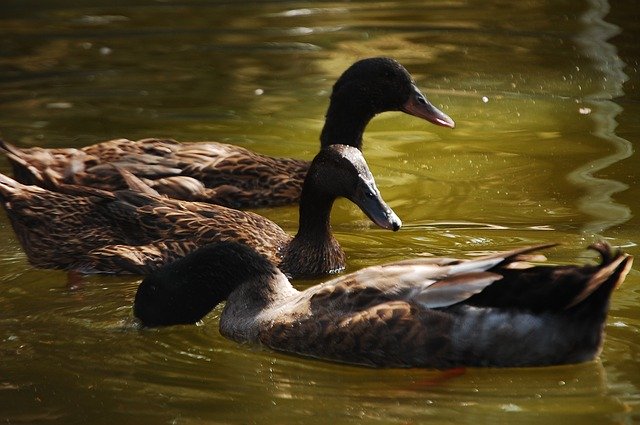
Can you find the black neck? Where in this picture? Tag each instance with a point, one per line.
(315, 214)
(345, 122)
(313, 251)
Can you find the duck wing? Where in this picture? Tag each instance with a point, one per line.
(65, 229)
(500, 280)
(183, 232)
(132, 259)
(208, 172)
(216, 173)
(429, 282)
(55, 228)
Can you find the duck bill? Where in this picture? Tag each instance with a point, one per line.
(372, 204)
(420, 107)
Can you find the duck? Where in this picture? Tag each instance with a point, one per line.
(225, 174)
(497, 310)
(132, 231)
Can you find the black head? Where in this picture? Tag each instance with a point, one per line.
(376, 85)
(341, 171)
(184, 291)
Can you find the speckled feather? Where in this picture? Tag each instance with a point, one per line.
(207, 172)
(125, 231)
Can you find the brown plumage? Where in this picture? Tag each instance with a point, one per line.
(209, 172)
(495, 310)
(225, 174)
(128, 231)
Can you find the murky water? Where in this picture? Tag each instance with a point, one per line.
(546, 97)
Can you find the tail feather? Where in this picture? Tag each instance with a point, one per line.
(542, 288)
(134, 182)
(9, 149)
(614, 269)
(22, 170)
(8, 187)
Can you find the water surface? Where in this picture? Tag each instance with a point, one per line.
(546, 99)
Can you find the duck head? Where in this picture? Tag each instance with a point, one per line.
(337, 171)
(341, 171)
(184, 291)
(369, 87)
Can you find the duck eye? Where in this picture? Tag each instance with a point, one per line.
(422, 100)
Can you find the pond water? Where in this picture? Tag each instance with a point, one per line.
(546, 98)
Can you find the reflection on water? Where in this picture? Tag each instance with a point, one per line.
(593, 43)
(535, 89)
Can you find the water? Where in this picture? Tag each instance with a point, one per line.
(546, 98)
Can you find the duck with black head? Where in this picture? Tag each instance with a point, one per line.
(135, 231)
(226, 174)
(494, 311)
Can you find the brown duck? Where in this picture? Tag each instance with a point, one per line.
(95, 231)
(226, 174)
(496, 310)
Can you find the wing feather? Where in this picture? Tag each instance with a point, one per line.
(430, 282)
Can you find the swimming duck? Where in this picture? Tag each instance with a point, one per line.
(129, 231)
(225, 174)
(497, 310)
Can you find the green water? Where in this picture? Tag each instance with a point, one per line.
(546, 98)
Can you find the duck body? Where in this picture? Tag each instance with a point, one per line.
(425, 312)
(124, 231)
(209, 172)
(225, 174)
(129, 231)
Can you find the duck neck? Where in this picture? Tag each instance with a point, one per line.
(313, 251)
(250, 303)
(345, 122)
